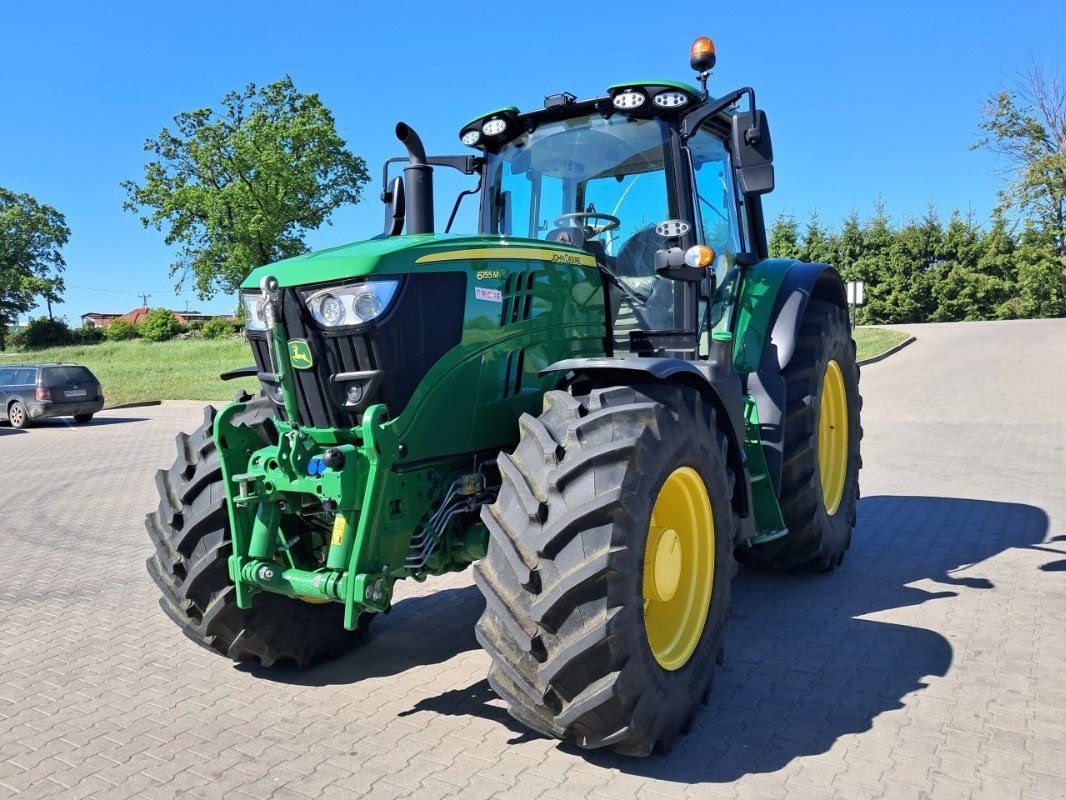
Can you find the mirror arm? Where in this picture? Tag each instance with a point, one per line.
(693, 122)
(458, 201)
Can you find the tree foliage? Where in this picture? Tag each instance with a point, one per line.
(218, 328)
(239, 187)
(31, 237)
(158, 325)
(924, 270)
(43, 332)
(121, 330)
(1026, 126)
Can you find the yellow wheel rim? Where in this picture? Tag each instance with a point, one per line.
(833, 437)
(678, 568)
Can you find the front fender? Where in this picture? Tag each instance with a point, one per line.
(774, 297)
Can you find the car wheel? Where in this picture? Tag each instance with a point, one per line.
(82, 419)
(18, 416)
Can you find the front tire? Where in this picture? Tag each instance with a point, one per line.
(607, 579)
(190, 531)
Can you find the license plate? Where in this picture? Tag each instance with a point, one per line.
(76, 393)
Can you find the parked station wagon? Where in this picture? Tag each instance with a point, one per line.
(30, 392)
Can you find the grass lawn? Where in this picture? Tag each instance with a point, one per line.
(870, 342)
(137, 370)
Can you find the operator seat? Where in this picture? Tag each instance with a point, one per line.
(636, 259)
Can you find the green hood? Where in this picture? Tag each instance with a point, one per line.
(395, 255)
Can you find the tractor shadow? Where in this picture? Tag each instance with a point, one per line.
(420, 630)
(801, 668)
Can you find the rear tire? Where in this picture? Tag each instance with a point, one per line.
(18, 416)
(83, 419)
(567, 595)
(190, 531)
(819, 490)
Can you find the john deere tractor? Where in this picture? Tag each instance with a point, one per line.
(603, 401)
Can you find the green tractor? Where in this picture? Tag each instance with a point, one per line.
(603, 401)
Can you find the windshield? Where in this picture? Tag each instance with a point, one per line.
(582, 166)
(600, 182)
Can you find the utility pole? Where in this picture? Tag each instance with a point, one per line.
(144, 300)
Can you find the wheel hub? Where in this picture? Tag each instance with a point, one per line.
(833, 437)
(678, 568)
(668, 562)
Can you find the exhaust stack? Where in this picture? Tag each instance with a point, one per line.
(418, 180)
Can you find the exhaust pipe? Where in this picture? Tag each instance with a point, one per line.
(418, 180)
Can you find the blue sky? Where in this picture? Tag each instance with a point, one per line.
(866, 100)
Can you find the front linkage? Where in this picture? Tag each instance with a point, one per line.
(321, 515)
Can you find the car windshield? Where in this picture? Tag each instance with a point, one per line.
(60, 376)
(597, 180)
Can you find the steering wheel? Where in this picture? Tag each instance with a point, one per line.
(612, 222)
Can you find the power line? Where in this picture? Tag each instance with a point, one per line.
(130, 291)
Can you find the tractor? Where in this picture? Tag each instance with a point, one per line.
(603, 401)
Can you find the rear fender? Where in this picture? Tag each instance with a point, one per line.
(719, 387)
(774, 298)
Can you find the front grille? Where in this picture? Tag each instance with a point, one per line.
(425, 322)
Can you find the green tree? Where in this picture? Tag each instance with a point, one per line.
(31, 237)
(120, 330)
(44, 332)
(238, 188)
(872, 266)
(218, 328)
(1026, 126)
(955, 289)
(906, 290)
(784, 238)
(848, 247)
(816, 247)
(159, 324)
(1038, 275)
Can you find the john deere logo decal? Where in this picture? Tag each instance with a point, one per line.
(300, 354)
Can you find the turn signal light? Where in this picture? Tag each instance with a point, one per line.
(699, 256)
(702, 56)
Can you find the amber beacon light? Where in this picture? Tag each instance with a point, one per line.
(702, 56)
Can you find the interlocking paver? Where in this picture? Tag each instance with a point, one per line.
(931, 665)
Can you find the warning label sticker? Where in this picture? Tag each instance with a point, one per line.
(492, 295)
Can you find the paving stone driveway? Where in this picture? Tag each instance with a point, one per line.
(932, 665)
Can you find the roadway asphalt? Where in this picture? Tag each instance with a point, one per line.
(931, 665)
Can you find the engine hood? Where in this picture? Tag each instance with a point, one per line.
(398, 255)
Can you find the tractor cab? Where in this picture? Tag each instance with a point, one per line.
(645, 179)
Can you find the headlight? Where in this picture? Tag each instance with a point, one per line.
(629, 99)
(254, 311)
(349, 304)
(670, 99)
(494, 127)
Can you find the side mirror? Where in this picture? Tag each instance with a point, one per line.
(754, 153)
(671, 264)
(395, 207)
